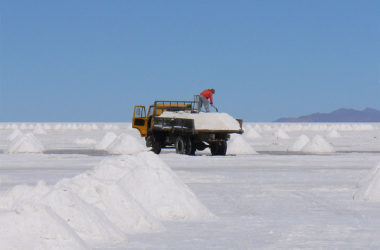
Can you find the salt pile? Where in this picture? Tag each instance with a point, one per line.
(369, 186)
(113, 202)
(299, 143)
(155, 186)
(126, 144)
(207, 121)
(25, 144)
(238, 146)
(108, 138)
(251, 133)
(281, 134)
(39, 130)
(334, 134)
(87, 221)
(37, 227)
(14, 135)
(127, 194)
(318, 145)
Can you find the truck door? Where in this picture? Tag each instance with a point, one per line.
(140, 120)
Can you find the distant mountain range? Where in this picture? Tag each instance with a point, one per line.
(340, 115)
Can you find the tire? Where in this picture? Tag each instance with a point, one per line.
(156, 145)
(180, 145)
(149, 141)
(218, 148)
(190, 146)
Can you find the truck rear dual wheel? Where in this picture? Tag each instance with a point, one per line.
(184, 145)
(218, 148)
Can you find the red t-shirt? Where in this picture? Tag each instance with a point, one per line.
(208, 94)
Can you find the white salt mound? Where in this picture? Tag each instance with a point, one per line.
(334, 134)
(126, 144)
(39, 130)
(207, 121)
(114, 202)
(251, 133)
(36, 227)
(86, 220)
(156, 187)
(23, 194)
(14, 135)
(301, 142)
(107, 140)
(98, 208)
(238, 146)
(369, 186)
(25, 144)
(281, 134)
(318, 145)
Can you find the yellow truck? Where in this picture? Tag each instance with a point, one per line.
(181, 125)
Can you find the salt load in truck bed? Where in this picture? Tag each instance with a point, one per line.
(216, 122)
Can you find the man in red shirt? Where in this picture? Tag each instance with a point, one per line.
(204, 96)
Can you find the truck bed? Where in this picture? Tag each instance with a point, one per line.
(195, 123)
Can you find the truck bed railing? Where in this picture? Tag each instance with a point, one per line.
(161, 106)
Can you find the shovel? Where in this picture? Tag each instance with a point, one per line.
(216, 109)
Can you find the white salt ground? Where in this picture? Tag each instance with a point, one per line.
(369, 186)
(258, 199)
(85, 141)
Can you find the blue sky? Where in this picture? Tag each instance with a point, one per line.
(94, 60)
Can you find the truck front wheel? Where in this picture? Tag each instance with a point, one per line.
(156, 145)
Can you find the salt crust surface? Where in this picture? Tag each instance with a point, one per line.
(369, 186)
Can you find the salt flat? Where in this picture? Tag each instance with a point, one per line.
(273, 199)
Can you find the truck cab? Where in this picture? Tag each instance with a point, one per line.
(143, 121)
